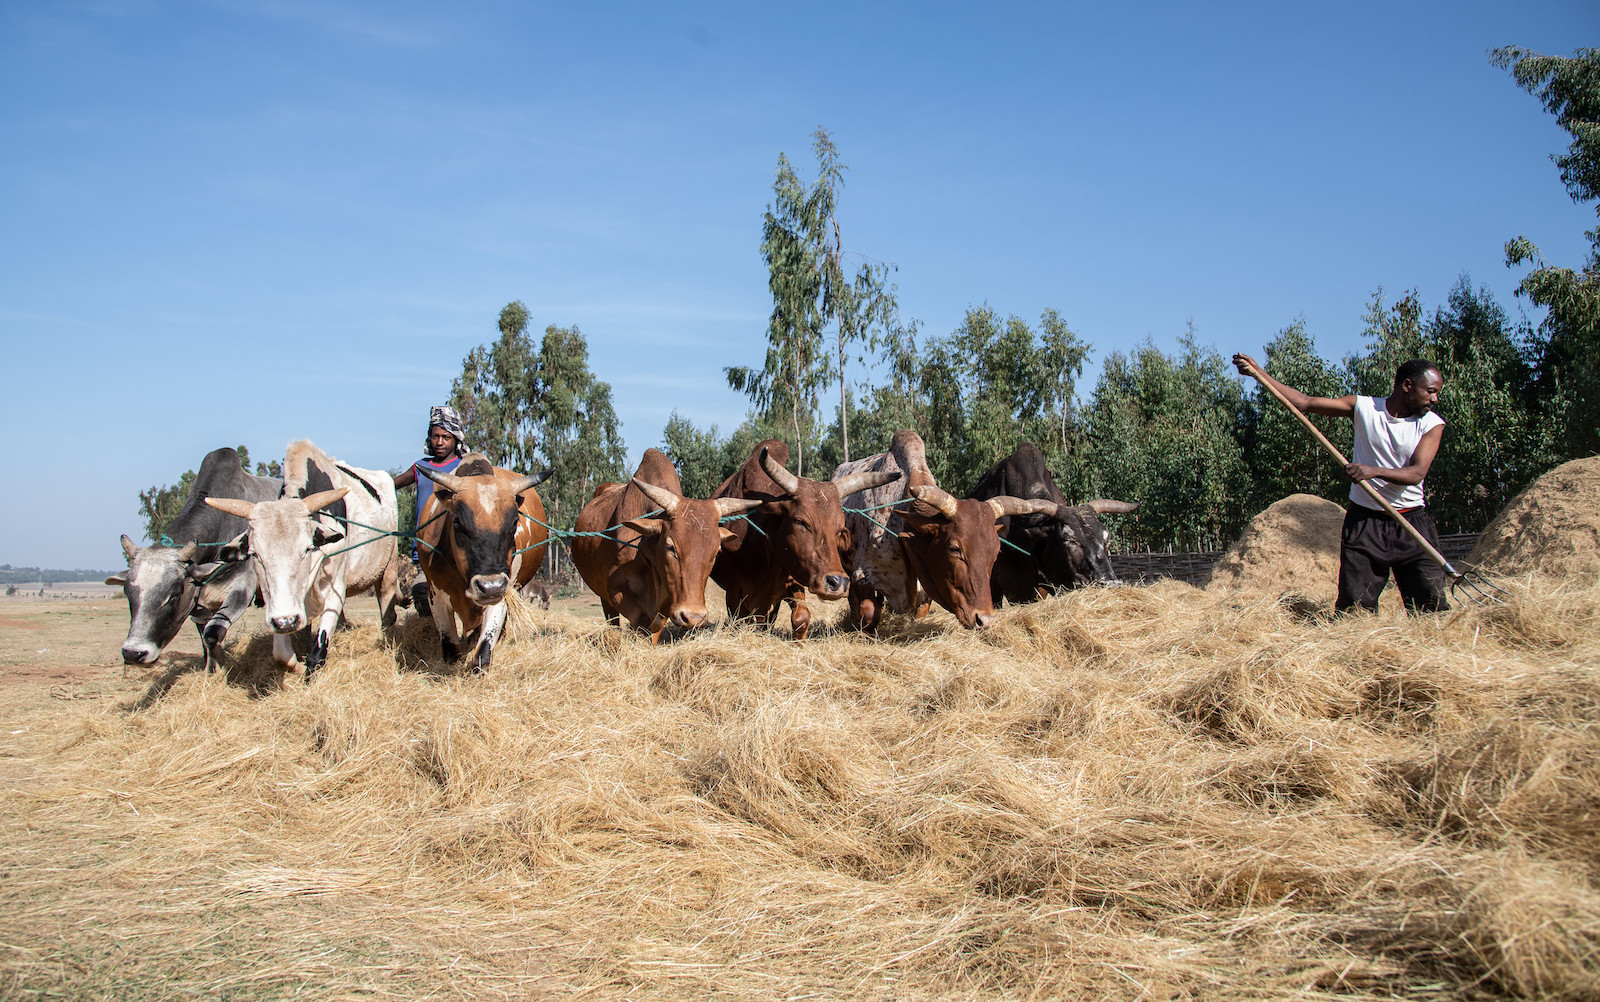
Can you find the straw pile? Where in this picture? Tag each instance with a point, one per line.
(1292, 546)
(1552, 529)
(1135, 793)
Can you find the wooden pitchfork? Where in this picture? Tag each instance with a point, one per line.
(1465, 585)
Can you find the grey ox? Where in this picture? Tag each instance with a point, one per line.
(165, 584)
(327, 537)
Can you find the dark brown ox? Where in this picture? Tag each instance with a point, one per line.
(795, 542)
(652, 568)
(951, 544)
(475, 546)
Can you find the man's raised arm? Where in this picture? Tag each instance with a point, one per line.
(1330, 406)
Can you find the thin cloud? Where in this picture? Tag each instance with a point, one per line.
(336, 19)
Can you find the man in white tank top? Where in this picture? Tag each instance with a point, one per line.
(1396, 438)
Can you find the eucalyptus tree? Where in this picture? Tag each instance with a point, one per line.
(809, 273)
(1282, 457)
(1165, 431)
(1569, 88)
(527, 406)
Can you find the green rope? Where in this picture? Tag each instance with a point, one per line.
(863, 513)
(562, 535)
(745, 518)
(167, 540)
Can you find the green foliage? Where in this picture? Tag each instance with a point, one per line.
(1497, 437)
(160, 504)
(1166, 432)
(812, 291)
(1569, 338)
(697, 455)
(1283, 459)
(529, 406)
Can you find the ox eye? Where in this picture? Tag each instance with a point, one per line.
(801, 523)
(955, 548)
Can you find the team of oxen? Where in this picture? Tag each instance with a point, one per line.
(880, 532)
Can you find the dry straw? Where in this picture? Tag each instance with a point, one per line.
(1158, 793)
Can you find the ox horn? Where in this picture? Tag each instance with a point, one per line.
(1005, 505)
(233, 506)
(734, 506)
(853, 482)
(780, 476)
(186, 552)
(128, 548)
(662, 498)
(532, 480)
(449, 481)
(1105, 507)
(938, 497)
(323, 499)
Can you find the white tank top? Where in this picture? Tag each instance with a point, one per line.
(1382, 440)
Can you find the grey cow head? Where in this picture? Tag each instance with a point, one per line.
(162, 586)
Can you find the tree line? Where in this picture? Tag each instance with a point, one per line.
(1177, 431)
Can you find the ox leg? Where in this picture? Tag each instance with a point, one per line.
(283, 652)
(326, 624)
(215, 630)
(444, 618)
(799, 615)
(867, 606)
(494, 621)
(388, 593)
(211, 636)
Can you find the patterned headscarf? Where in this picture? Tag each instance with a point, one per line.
(446, 417)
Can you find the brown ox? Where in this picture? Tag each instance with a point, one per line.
(795, 542)
(476, 546)
(652, 570)
(951, 544)
(936, 547)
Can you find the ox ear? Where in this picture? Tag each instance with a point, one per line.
(235, 549)
(323, 533)
(201, 573)
(728, 535)
(233, 506)
(646, 526)
(128, 549)
(117, 579)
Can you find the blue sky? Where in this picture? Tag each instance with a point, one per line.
(256, 221)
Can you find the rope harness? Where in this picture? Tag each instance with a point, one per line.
(863, 513)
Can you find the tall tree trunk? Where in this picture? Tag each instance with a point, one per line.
(844, 411)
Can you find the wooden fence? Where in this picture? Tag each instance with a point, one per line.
(1194, 566)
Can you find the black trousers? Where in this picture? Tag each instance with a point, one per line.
(1371, 545)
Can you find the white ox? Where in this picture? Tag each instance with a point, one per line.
(322, 540)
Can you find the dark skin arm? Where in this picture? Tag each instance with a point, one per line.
(1414, 472)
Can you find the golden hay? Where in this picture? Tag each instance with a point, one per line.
(1552, 529)
(1128, 793)
(1291, 546)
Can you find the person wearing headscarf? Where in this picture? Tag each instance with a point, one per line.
(444, 447)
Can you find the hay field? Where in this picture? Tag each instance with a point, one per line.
(1157, 793)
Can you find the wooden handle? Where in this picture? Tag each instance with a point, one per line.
(1338, 456)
